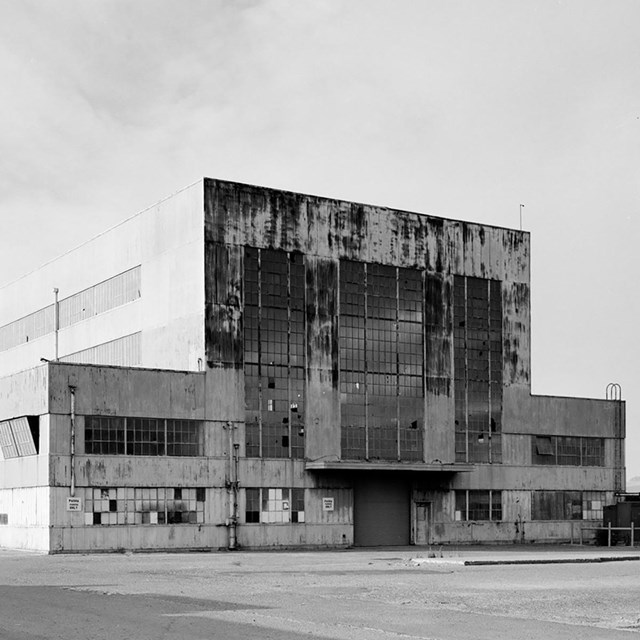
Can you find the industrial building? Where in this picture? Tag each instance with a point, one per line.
(238, 366)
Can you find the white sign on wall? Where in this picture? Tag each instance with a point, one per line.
(74, 504)
(327, 504)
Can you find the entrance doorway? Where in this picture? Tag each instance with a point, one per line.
(423, 523)
(381, 511)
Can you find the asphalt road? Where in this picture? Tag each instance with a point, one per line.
(352, 595)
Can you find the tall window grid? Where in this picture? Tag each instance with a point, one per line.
(274, 353)
(381, 362)
(477, 334)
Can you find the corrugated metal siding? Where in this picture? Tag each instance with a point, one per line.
(125, 351)
(123, 288)
(114, 292)
(25, 507)
(28, 328)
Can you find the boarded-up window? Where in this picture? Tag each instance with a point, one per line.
(556, 505)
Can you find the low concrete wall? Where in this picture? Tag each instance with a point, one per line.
(27, 513)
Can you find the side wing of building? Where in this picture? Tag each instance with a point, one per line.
(132, 296)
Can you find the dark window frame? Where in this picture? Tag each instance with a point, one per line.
(135, 436)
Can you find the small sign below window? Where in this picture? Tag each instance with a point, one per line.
(328, 504)
(74, 504)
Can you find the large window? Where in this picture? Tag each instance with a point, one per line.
(381, 362)
(475, 505)
(267, 505)
(477, 336)
(274, 353)
(567, 505)
(143, 505)
(112, 435)
(567, 450)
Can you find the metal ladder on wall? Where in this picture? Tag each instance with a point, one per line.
(614, 394)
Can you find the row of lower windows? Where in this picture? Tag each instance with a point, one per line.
(478, 505)
(271, 505)
(143, 505)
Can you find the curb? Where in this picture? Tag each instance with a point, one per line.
(478, 563)
(471, 563)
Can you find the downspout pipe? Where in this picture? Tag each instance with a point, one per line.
(232, 488)
(72, 447)
(233, 534)
(56, 321)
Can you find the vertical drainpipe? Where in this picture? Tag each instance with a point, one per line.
(56, 320)
(72, 391)
(233, 488)
(233, 537)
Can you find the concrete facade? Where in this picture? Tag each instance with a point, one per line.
(197, 439)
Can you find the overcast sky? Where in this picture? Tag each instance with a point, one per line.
(463, 109)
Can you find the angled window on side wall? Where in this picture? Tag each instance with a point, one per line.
(20, 437)
(543, 450)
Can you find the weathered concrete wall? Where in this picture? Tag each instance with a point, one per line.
(132, 392)
(568, 416)
(546, 477)
(69, 533)
(516, 526)
(440, 408)
(328, 230)
(321, 528)
(24, 393)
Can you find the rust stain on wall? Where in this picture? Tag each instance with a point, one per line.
(515, 333)
(322, 329)
(438, 327)
(223, 295)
